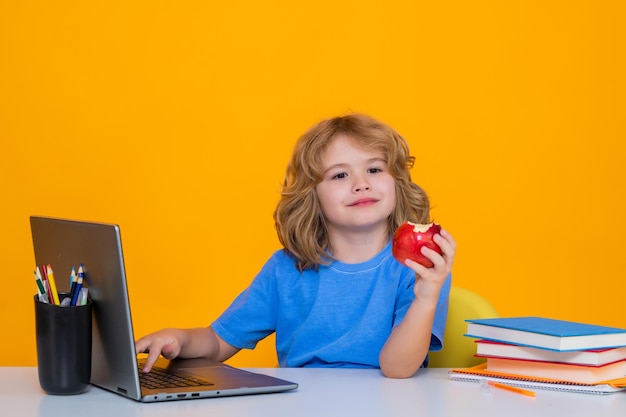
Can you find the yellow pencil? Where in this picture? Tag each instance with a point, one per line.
(53, 285)
(512, 388)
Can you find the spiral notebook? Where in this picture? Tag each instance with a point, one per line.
(479, 373)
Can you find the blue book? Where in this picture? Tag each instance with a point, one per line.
(546, 333)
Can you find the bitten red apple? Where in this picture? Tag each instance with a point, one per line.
(409, 239)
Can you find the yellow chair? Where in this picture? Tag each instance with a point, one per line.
(459, 350)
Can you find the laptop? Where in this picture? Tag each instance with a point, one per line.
(115, 365)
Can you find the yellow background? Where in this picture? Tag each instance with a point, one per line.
(176, 120)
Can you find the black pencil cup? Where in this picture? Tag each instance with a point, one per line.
(63, 347)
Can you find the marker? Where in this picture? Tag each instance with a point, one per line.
(512, 388)
(42, 274)
(41, 290)
(82, 298)
(53, 285)
(46, 282)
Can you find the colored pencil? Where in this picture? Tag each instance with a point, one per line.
(53, 285)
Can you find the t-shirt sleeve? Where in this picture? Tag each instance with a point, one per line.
(252, 315)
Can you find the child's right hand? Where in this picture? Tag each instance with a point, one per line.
(166, 342)
(200, 342)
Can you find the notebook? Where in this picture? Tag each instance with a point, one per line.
(115, 366)
(480, 373)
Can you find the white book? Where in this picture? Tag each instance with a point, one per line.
(596, 357)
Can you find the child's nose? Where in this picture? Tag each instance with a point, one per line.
(361, 185)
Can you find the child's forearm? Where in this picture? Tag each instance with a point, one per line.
(203, 342)
(197, 343)
(407, 346)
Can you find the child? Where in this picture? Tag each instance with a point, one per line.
(334, 295)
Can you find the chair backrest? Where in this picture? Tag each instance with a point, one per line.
(459, 350)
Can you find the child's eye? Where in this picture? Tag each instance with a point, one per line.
(374, 170)
(339, 176)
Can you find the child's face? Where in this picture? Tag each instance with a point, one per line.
(357, 192)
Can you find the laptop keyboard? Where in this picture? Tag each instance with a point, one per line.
(159, 378)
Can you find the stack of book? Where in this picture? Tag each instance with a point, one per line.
(548, 351)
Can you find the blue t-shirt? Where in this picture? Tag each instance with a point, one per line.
(338, 316)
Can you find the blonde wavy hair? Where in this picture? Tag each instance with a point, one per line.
(298, 216)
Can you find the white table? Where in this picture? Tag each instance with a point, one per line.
(323, 393)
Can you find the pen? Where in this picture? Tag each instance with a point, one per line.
(512, 388)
